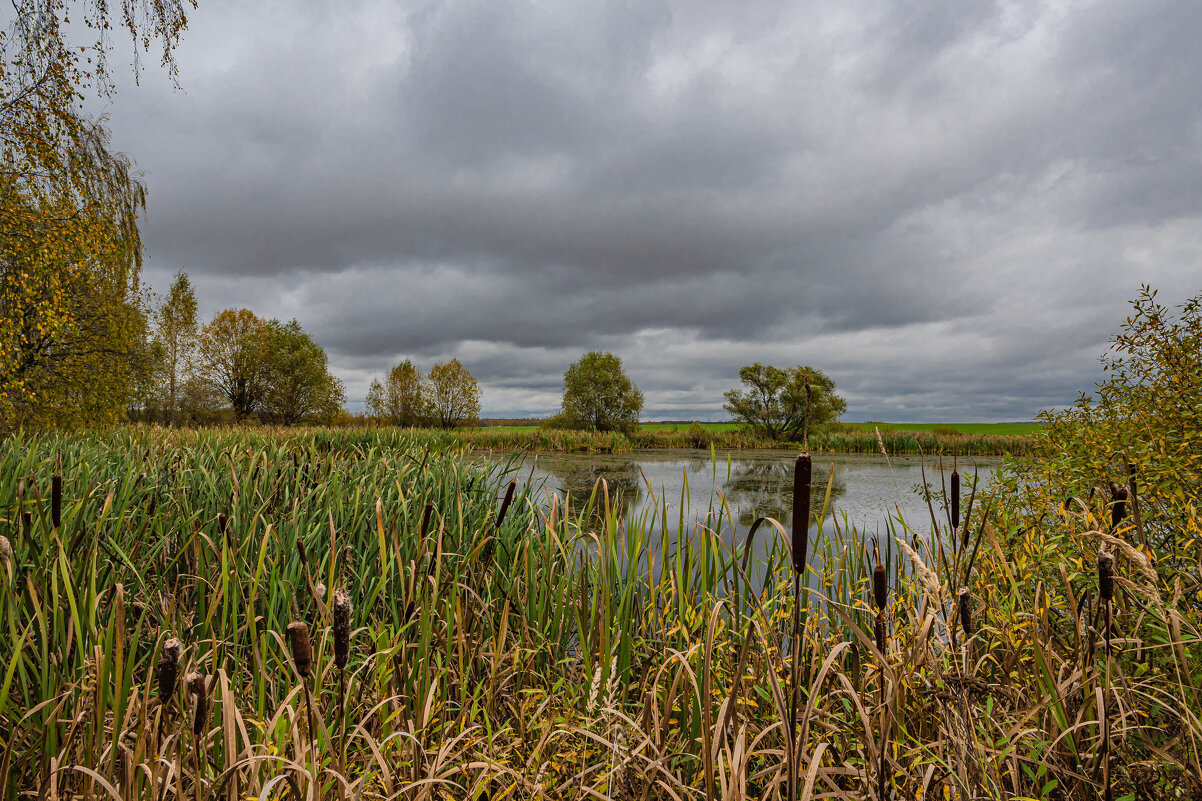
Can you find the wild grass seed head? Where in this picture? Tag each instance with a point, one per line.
(196, 685)
(167, 670)
(965, 602)
(880, 587)
(298, 641)
(56, 500)
(802, 480)
(1105, 576)
(342, 627)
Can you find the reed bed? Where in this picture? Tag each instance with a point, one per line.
(837, 439)
(359, 614)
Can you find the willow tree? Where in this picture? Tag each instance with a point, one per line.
(784, 404)
(72, 318)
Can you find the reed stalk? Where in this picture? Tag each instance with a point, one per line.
(1106, 598)
(955, 502)
(880, 596)
(803, 468)
(302, 658)
(342, 647)
(197, 686)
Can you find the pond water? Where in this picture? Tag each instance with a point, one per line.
(868, 489)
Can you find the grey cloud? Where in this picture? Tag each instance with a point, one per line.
(693, 185)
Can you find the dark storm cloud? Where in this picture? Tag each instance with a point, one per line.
(943, 205)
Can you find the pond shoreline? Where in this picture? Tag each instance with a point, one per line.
(839, 441)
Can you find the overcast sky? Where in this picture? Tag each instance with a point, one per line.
(944, 205)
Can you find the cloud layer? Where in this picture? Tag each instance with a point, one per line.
(945, 206)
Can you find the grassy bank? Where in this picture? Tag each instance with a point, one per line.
(839, 439)
(487, 655)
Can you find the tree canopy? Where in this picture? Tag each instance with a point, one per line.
(176, 328)
(784, 403)
(454, 394)
(72, 318)
(402, 398)
(598, 396)
(299, 383)
(233, 359)
(1139, 431)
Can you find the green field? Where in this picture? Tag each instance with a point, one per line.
(997, 429)
(1003, 429)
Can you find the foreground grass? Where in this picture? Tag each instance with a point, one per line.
(525, 651)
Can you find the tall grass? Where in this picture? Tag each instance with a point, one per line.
(151, 650)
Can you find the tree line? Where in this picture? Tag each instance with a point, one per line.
(81, 342)
(776, 403)
(235, 368)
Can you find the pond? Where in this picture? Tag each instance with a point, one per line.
(867, 491)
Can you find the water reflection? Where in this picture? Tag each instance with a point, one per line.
(764, 488)
(867, 489)
(575, 479)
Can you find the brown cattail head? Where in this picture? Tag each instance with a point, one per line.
(196, 685)
(803, 470)
(304, 554)
(1105, 576)
(298, 641)
(965, 601)
(1118, 505)
(880, 588)
(878, 629)
(955, 500)
(167, 671)
(426, 518)
(223, 523)
(56, 500)
(342, 627)
(505, 503)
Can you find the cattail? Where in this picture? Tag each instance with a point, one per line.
(298, 640)
(223, 523)
(196, 684)
(1118, 506)
(880, 589)
(319, 591)
(426, 518)
(342, 627)
(56, 500)
(965, 611)
(802, 478)
(955, 500)
(167, 671)
(878, 628)
(505, 503)
(1105, 576)
(6, 552)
